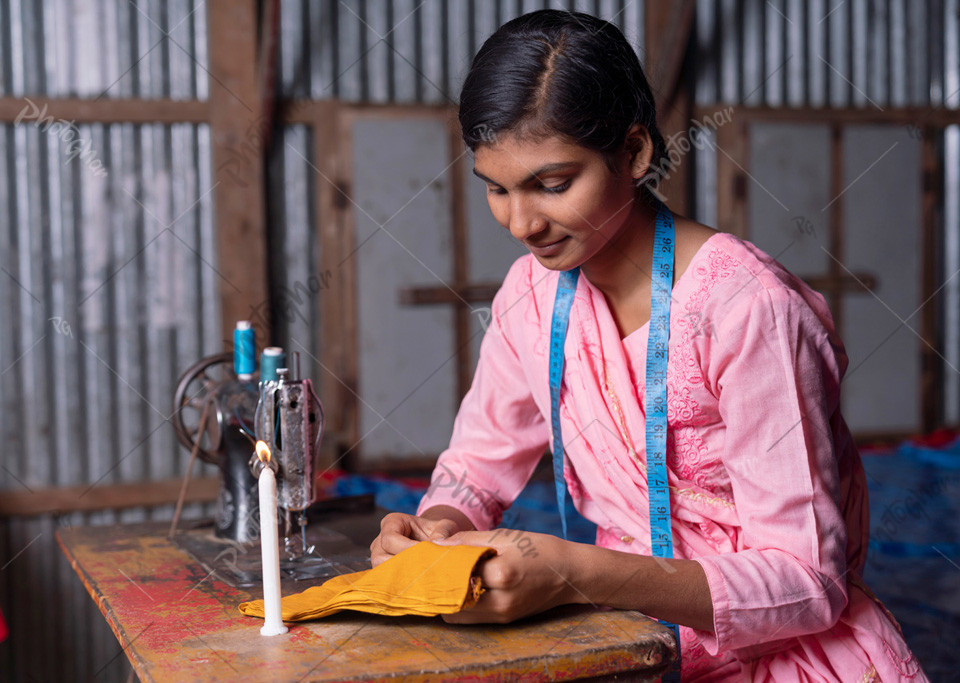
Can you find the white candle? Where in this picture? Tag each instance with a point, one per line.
(269, 547)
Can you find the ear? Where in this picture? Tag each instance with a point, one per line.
(639, 146)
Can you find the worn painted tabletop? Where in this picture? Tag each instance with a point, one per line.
(178, 622)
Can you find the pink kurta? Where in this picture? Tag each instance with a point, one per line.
(767, 489)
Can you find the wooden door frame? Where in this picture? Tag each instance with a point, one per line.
(332, 123)
(928, 125)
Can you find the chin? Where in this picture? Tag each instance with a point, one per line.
(560, 262)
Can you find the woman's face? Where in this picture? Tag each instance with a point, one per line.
(559, 199)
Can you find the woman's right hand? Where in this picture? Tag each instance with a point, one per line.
(399, 531)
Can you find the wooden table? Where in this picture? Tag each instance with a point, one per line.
(177, 622)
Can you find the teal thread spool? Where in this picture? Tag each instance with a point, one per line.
(244, 350)
(272, 359)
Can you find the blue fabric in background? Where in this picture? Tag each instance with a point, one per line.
(913, 564)
(914, 560)
(534, 510)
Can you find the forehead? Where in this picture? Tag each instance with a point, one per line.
(522, 155)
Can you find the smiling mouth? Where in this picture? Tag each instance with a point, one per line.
(548, 250)
(549, 245)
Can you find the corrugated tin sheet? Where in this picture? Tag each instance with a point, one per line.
(865, 54)
(296, 283)
(404, 50)
(105, 245)
(103, 277)
(103, 270)
(828, 53)
(104, 48)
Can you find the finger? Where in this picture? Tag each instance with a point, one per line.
(396, 522)
(442, 529)
(393, 543)
(477, 538)
(483, 612)
(377, 553)
(377, 556)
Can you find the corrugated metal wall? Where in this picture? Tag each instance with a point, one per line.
(296, 283)
(828, 53)
(405, 50)
(864, 54)
(106, 243)
(381, 51)
(823, 54)
(104, 48)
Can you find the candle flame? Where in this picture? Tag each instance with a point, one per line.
(263, 451)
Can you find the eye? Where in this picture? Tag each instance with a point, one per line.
(495, 190)
(557, 189)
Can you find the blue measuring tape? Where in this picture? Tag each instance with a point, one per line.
(566, 286)
(661, 286)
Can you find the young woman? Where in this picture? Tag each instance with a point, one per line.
(768, 504)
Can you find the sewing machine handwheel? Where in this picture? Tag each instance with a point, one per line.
(197, 387)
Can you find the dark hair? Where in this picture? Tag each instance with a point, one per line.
(558, 72)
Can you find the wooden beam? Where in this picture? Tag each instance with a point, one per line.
(66, 499)
(36, 110)
(914, 118)
(237, 154)
(478, 292)
(307, 111)
(858, 283)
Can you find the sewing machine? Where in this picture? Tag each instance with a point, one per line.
(289, 418)
(223, 405)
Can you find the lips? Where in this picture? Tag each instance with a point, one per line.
(549, 248)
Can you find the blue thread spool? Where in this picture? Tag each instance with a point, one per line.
(244, 350)
(272, 359)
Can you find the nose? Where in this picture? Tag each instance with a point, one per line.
(524, 220)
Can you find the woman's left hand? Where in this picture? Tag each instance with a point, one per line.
(530, 573)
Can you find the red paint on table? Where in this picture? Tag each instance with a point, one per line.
(177, 622)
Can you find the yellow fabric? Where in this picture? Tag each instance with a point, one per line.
(425, 580)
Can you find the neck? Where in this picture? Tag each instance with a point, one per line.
(621, 268)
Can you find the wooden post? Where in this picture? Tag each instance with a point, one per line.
(331, 199)
(732, 151)
(237, 156)
(837, 184)
(932, 367)
(667, 31)
(461, 268)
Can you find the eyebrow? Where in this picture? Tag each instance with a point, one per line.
(543, 170)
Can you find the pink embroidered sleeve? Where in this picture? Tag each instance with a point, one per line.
(777, 373)
(499, 434)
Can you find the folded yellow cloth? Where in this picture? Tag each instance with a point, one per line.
(425, 580)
